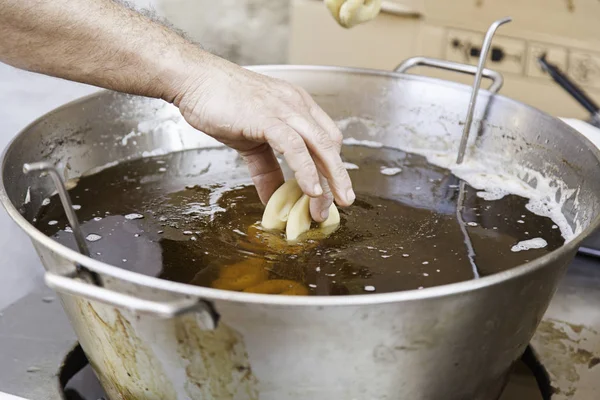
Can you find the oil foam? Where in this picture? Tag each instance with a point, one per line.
(490, 175)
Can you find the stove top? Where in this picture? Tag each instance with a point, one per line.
(42, 361)
(77, 381)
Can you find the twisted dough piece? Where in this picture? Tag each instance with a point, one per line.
(252, 276)
(290, 209)
(349, 13)
(241, 275)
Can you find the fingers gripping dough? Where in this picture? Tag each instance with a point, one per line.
(290, 210)
(349, 13)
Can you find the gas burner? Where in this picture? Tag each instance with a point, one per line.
(77, 381)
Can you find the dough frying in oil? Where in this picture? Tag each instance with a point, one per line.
(290, 209)
(349, 13)
(281, 202)
(287, 209)
(252, 276)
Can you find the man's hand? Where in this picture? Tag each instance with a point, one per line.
(255, 115)
(103, 43)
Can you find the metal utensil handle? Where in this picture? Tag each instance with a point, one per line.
(68, 285)
(67, 204)
(567, 84)
(485, 49)
(496, 77)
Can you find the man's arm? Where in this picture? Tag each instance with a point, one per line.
(103, 43)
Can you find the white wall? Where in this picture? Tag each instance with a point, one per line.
(244, 31)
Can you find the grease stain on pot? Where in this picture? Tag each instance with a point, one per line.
(218, 361)
(558, 337)
(384, 354)
(125, 366)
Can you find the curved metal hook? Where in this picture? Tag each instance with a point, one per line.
(487, 42)
(69, 211)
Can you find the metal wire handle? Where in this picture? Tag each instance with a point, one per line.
(495, 77)
(485, 49)
(67, 284)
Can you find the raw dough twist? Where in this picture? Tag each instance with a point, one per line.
(290, 209)
(349, 13)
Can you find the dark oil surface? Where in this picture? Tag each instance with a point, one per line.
(196, 209)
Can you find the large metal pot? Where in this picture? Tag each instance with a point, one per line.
(154, 339)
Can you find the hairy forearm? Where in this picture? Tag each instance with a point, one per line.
(99, 42)
(103, 43)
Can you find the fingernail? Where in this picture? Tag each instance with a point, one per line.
(318, 190)
(350, 196)
(325, 214)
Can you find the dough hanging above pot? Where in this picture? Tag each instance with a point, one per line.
(349, 13)
(289, 209)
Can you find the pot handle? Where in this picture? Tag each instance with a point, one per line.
(495, 77)
(68, 285)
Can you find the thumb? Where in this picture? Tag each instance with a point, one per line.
(264, 170)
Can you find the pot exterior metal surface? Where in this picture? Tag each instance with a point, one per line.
(453, 342)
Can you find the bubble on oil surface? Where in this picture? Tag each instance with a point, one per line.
(389, 171)
(491, 195)
(535, 243)
(93, 237)
(134, 216)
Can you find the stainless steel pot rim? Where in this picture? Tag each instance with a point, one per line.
(301, 301)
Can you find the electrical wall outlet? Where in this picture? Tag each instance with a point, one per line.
(584, 68)
(507, 55)
(463, 46)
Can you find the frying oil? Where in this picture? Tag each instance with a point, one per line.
(193, 217)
